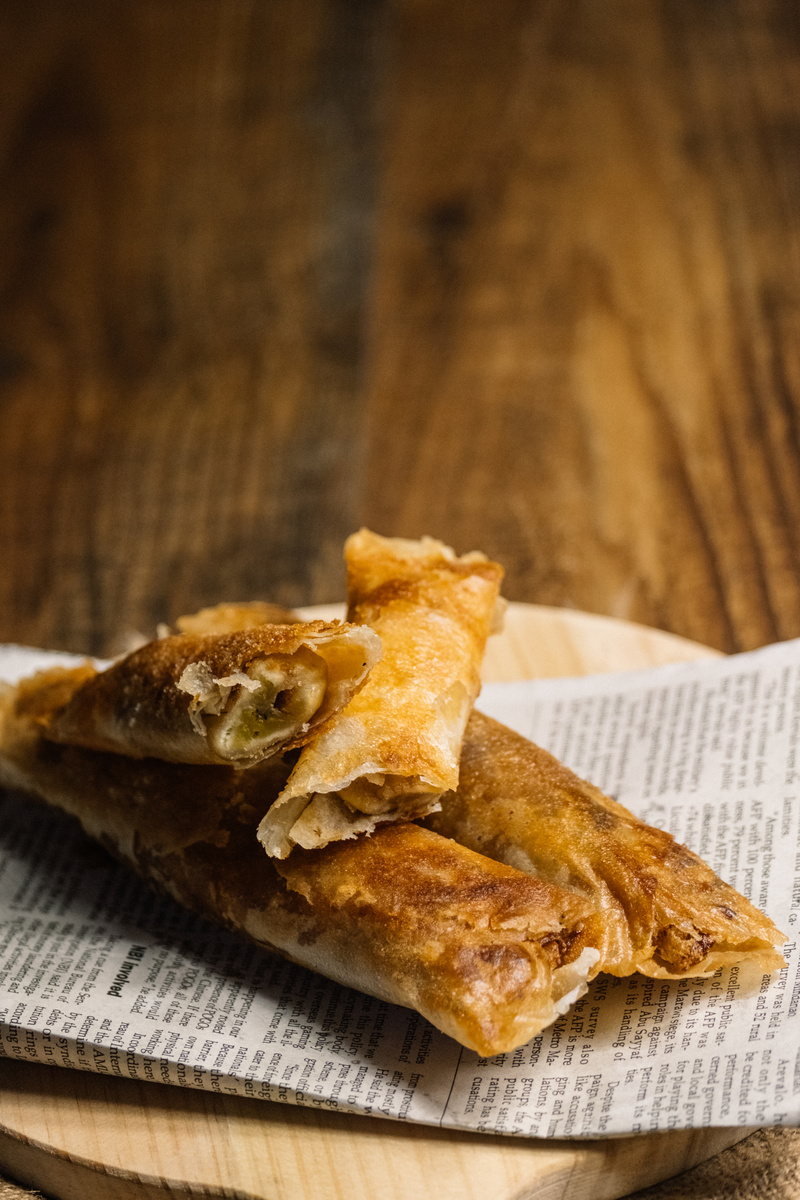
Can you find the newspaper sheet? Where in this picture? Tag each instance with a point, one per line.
(98, 973)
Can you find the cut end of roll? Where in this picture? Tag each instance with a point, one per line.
(312, 822)
(229, 699)
(247, 712)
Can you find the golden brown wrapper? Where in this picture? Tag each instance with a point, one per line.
(395, 749)
(417, 922)
(236, 698)
(232, 617)
(486, 953)
(657, 908)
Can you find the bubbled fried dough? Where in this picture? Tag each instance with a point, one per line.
(657, 908)
(396, 747)
(487, 954)
(210, 698)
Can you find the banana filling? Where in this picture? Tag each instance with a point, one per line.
(330, 816)
(244, 713)
(379, 794)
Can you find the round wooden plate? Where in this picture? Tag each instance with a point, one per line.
(85, 1137)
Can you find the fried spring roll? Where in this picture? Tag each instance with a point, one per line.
(486, 953)
(232, 698)
(233, 618)
(396, 747)
(657, 908)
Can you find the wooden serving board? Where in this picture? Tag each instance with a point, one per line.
(85, 1137)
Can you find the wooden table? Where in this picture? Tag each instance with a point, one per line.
(522, 275)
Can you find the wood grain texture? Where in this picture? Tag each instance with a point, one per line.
(587, 300)
(547, 643)
(91, 1138)
(185, 256)
(87, 1137)
(523, 275)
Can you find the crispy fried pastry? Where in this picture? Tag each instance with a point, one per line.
(486, 953)
(657, 908)
(233, 618)
(204, 698)
(395, 749)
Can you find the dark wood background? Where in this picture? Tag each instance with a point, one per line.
(522, 275)
(525, 276)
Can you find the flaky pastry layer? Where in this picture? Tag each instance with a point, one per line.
(237, 697)
(656, 907)
(396, 747)
(486, 953)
